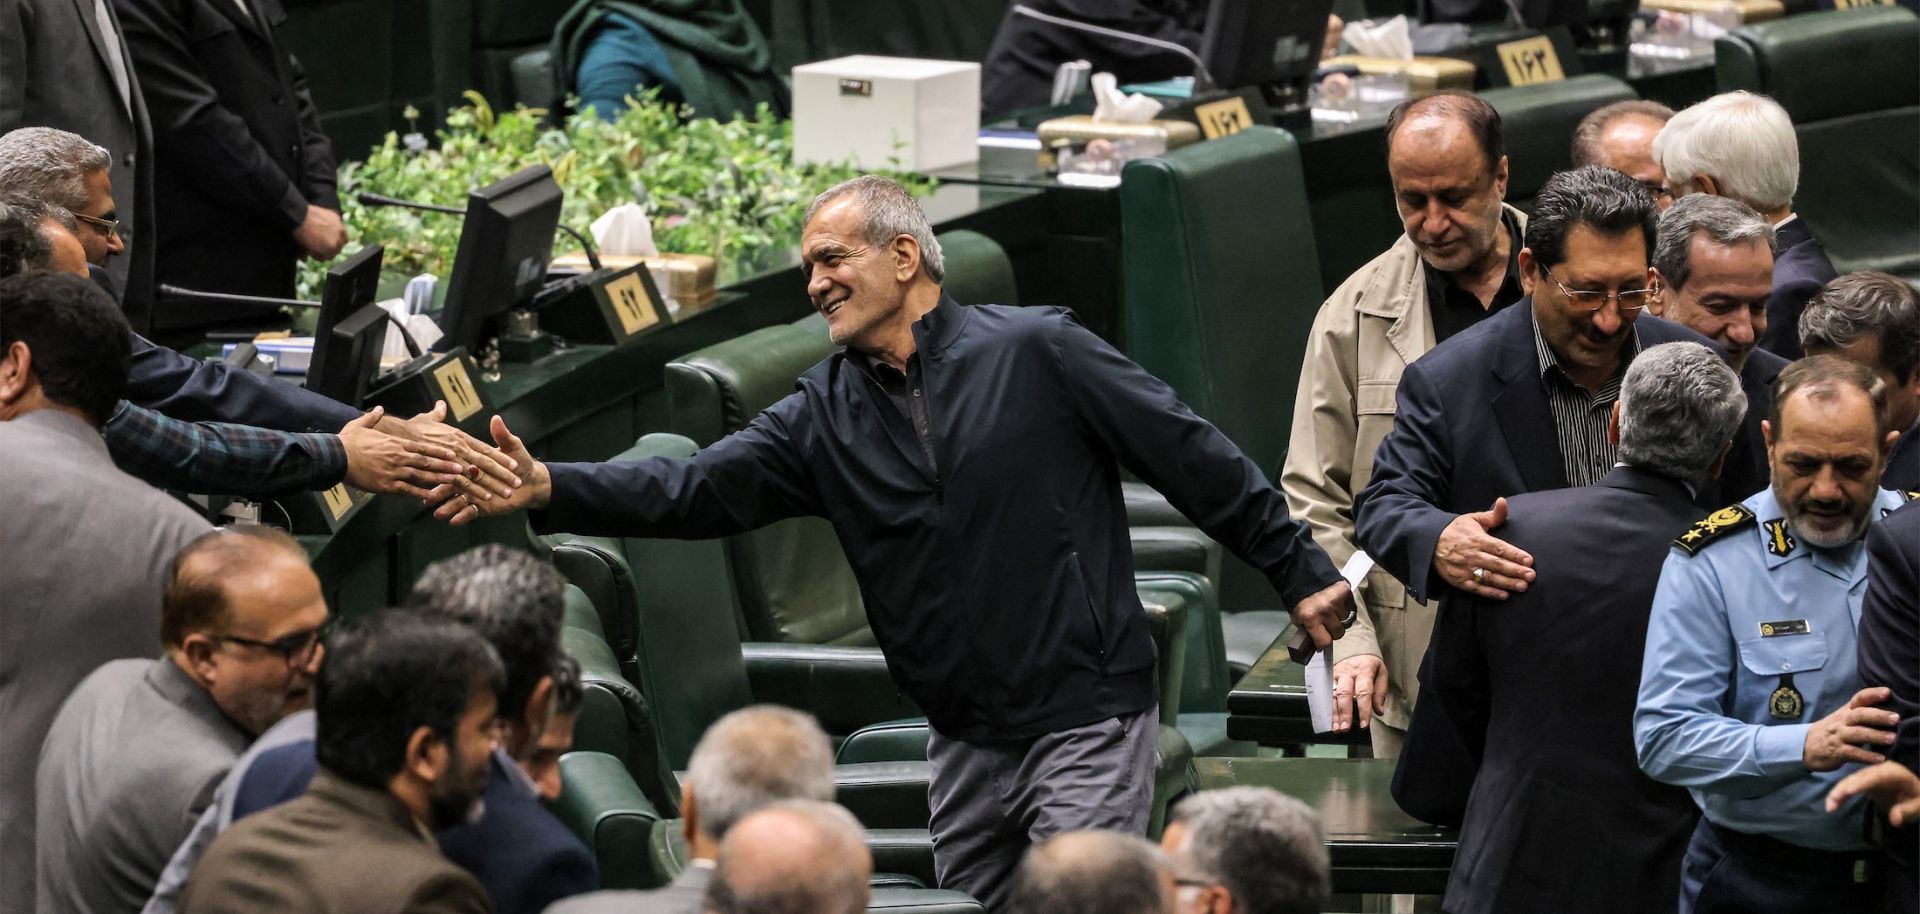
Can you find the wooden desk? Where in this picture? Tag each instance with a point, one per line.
(1375, 848)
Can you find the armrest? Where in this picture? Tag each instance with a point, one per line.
(884, 794)
(1173, 775)
(600, 803)
(579, 612)
(1175, 549)
(894, 741)
(902, 850)
(845, 687)
(1148, 508)
(615, 720)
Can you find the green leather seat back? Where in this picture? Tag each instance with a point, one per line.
(504, 30)
(792, 580)
(1222, 284)
(615, 719)
(1847, 80)
(1538, 122)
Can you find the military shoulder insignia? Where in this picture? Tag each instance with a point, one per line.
(1780, 541)
(1912, 494)
(1713, 527)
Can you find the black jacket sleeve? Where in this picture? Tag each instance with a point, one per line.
(1179, 454)
(321, 176)
(748, 479)
(195, 391)
(1395, 518)
(202, 141)
(1889, 635)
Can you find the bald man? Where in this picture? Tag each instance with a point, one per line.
(794, 857)
(1094, 872)
(1620, 136)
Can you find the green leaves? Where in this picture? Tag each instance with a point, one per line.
(727, 189)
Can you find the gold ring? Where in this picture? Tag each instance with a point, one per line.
(1479, 575)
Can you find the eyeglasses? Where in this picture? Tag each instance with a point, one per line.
(108, 228)
(1630, 300)
(296, 649)
(1657, 190)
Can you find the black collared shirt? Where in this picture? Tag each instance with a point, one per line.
(1454, 308)
(1581, 418)
(909, 395)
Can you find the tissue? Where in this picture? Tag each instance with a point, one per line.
(1391, 38)
(1111, 106)
(624, 231)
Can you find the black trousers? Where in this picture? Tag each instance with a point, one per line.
(1730, 872)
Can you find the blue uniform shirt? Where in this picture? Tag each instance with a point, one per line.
(1707, 719)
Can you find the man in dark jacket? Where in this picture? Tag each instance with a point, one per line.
(1541, 686)
(1518, 403)
(969, 458)
(244, 181)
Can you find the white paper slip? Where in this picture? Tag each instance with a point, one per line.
(1320, 668)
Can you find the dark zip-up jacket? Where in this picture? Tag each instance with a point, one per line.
(1000, 585)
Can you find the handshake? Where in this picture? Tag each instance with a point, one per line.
(457, 475)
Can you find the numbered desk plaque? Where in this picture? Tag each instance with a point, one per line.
(616, 306)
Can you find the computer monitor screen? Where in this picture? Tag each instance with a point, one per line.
(505, 246)
(1263, 42)
(352, 284)
(353, 356)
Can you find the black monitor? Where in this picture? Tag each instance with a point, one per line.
(338, 368)
(505, 247)
(1265, 43)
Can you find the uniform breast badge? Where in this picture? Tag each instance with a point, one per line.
(1785, 703)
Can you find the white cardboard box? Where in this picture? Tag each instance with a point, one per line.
(887, 112)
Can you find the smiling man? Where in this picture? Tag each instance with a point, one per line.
(1750, 691)
(136, 751)
(969, 458)
(1713, 265)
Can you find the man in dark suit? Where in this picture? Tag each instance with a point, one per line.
(245, 178)
(1742, 145)
(1713, 264)
(1874, 319)
(1519, 403)
(406, 705)
(64, 64)
(1541, 686)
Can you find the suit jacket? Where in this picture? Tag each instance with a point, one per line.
(1800, 269)
(1472, 425)
(127, 767)
(1364, 337)
(1541, 688)
(194, 390)
(238, 147)
(79, 586)
(1746, 470)
(687, 894)
(1889, 637)
(1903, 465)
(524, 858)
(55, 72)
(339, 849)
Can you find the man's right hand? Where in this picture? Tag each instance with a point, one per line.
(1466, 545)
(1893, 787)
(1840, 737)
(457, 507)
(1363, 678)
(322, 235)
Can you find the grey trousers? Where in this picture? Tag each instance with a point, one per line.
(991, 801)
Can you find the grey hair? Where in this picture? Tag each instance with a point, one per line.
(1861, 304)
(1588, 149)
(1265, 847)
(1679, 406)
(756, 757)
(1727, 222)
(49, 165)
(1090, 872)
(890, 212)
(829, 885)
(1744, 141)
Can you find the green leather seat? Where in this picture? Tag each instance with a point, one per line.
(615, 719)
(1222, 283)
(600, 804)
(504, 31)
(1538, 122)
(1847, 80)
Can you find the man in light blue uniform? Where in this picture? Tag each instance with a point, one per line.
(1749, 693)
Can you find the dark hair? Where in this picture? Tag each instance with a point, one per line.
(568, 690)
(1604, 200)
(77, 335)
(23, 246)
(1858, 304)
(387, 675)
(510, 598)
(1822, 376)
(1587, 148)
(1472, 111)
(195, 599)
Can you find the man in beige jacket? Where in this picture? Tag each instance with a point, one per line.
(1456, 264)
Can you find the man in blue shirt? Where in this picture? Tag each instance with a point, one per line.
(1750, 694)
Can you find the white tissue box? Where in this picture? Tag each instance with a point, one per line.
(887, 112)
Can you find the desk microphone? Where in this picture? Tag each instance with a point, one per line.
(176, 293)
(593, 255)
(1202, 80)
